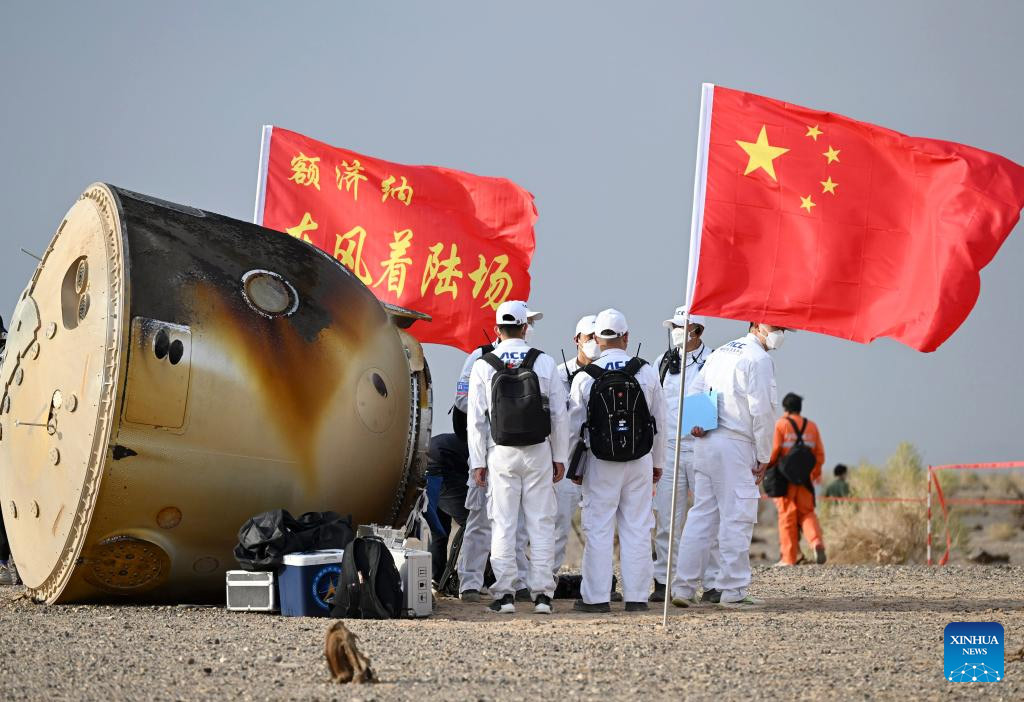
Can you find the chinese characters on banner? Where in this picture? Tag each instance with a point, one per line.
(435, 240)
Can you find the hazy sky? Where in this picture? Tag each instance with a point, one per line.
(592, 106)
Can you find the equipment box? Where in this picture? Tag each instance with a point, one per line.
(307, 582)
(414, 567)
(249, 591)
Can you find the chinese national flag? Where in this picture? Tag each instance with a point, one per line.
(443, 242)
(819, 222)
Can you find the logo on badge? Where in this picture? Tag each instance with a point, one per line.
(974, 652)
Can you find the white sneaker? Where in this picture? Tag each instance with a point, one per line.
(746, 602)
(542, 605)
(506, 605)
(783, 564)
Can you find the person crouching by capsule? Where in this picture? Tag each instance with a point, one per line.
(518, 443)
(619, 402)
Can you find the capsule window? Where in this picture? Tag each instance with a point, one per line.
(379, 385)
(269, 294)
(161, 344)
(176, 351)
(74, 296)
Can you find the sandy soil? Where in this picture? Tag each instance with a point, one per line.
(838, 632)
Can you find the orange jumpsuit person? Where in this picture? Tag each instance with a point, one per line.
(796, 509)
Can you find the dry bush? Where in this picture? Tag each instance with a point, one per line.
(880, 532)
(1001, 531)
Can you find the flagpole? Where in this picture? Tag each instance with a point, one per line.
(261, 174)
(696, 224)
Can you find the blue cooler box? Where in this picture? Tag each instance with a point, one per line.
(307, 581)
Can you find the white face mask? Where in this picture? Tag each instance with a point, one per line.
(773, 340)
(591, 350)
(679, 337)
(529, 332)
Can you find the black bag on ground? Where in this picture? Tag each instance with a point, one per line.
(370, 586)
(264, 540)
(567, 586)
(619, 422)
(797, 464)
(519, 413)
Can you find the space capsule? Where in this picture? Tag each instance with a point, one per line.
(171, 372)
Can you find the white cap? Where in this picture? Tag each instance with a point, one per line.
(679, 318)
(586, 324)
(515, 312)
(610, 324)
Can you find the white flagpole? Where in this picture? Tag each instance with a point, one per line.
(696, 224)
(261, 174)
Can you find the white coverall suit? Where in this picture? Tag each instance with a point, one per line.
(519, 478)
(725, 494)
(476, 539)
(618, 494)
(663, 490)
(567, 493)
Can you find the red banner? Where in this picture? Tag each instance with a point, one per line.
(435, 240)
(816, 221)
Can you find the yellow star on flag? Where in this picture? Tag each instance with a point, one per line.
(761, 154)
(828, 186)
(806, 203)
(831, 154)
(813, 132)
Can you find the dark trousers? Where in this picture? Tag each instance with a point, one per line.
(5, 546)
(451, 507)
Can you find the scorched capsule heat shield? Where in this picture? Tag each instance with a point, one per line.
(169, 373)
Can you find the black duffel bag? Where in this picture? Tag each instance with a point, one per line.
(264, 540)
(774, 483)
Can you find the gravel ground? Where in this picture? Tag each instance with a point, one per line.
(839, 632)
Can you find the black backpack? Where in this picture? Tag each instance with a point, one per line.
(619, 422)
(796, 466)
(519, 413)
(370, 586)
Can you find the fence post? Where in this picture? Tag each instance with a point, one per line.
(929, 503)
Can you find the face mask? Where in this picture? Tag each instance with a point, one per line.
(679, 337)
(773, 340)
(529, 332)
(591, 350)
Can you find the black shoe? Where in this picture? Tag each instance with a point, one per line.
(819, 555)
(506, 605)
(639, 606)
(659, 593)
(616, 596)
(523, 595)
(712, 595)
(597, 608)
(470, 595)
(542, 605)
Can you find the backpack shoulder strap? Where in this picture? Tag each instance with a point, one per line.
(486, 348)
(633, 366)
(799, 430)
(593, 370)
(531, 357)
(493, 361)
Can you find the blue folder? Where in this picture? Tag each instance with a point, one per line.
(700, 410)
